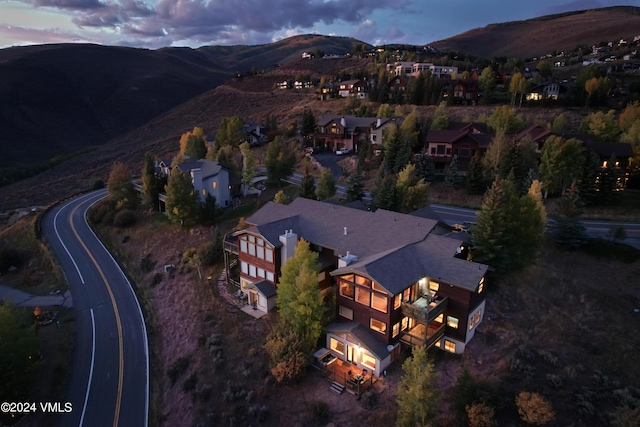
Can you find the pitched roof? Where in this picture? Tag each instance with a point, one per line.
(434, 257)
(323, 224)
(209, 168)
(266, 288)
(364, 335)
(536, 132)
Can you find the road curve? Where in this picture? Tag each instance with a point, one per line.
(109, 381)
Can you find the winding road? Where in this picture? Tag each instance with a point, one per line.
(109, 382)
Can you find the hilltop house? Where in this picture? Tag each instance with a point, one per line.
(398, 280)
(207, 177)
(337, 132)
(463, 140)
(357, 88)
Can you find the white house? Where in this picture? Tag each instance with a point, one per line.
(208, 177)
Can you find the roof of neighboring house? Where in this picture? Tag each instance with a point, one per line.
(321, 223)
(352, 122)
(366, 336)
(209, 168)
(446, 136)
(351, 82)
(536, 132)
(603, 149)
(433, 257)
(266, 288)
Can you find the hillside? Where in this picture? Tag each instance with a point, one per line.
(540, 36)
(60, 98)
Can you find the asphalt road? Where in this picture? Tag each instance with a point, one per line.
(109, 382)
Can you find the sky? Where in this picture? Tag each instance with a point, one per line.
(160, 23)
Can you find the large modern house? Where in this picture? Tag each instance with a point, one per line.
(208, 178)
(399, 280)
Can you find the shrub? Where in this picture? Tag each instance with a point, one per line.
(10, 257)
(318, 413)
(157, 278)
(480, 415)
(102, 212)
(147, 263)
(178, 368)
(190, 383)
(97, 184)
(124, 218)
(369, 399)
(534, 408)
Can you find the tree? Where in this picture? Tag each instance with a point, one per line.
(309, 124)
(355, 187)
(120, 186)
(384, 111)
(480, 415)
(150, 181)
(182, 200)
(440, 118)
(384, 192)
(229, 132)
(196, 147)
(632, 137)
(411, 190)
(410, 130)
(505, 119)
(288, 353)
(184, 139)
(451, 178)
(249, 166)
(602, 126)
(560, 124)
(533, 408)
(280, 197)
(569, 232)
(326, 185)
(561, 163)
(300, 302)
(517, 85)
(209, 210)
(280, 160)
(417, 395)
(487, 84)
(544, 68)
(307, 185)
(495, 154)
(18, 355)
(591, 86)
(475, 182)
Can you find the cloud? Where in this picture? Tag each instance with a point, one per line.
(215, 21)
(367, 30)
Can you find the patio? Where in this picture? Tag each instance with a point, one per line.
(355, 380)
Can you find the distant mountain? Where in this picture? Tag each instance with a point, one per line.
(60, 98)
(540, 36)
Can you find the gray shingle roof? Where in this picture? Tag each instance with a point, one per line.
(434, 257)
(368, 233)
(363, 334)
(266, 288)
(208, 167)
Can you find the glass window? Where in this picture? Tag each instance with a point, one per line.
(363, 281)
(406, 295)
(378, 326)
(481, 285)
(363, 296)
(252, 239)
(347, 290)
(261, 272)
(252, 249)
(452, 322)
(345, 312)
(243, 246)
(260, 252)
(396, 330)
(478, 316)
(396, 301)
(377, 287)
(260, 242)
(268, 255)
(252, 270)
(434, 286)
(439, 319)
(270, 276)
(472, 320)
(379, 302)
(335, 345)
(441, 149)
(204, 192)
(368, 361)
(244, 267)
(450, 346)
(405, 323)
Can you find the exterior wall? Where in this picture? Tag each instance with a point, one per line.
(251, 275)
(355, 353)
(474, 319)
(218, 187)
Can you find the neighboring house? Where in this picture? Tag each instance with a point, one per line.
(307, 55)
(623, 152)
(254, 132)
(326, 91)
(207, 177)
(357, 88)
(548, 90)
(465, 91)
(398, 283)
(337, 132)
(415, 68)
(398, 84)
(283, 84)
(538, 134)
(377, 131)
(300, 84)
(463, 140)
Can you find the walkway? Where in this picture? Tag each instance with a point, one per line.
(24, 299)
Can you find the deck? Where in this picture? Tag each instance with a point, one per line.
(355, 380)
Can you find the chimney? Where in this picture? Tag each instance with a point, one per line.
(345, 231)
(346, 260)
(289, 242)
(343, 122)
(379, 122)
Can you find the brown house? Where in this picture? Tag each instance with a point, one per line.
(337, 132)
(464, 140)
(398, 280)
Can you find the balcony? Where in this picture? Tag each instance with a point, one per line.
(423, 335)
(425, 309)
(230, 243)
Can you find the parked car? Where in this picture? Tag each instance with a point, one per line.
(343, 151)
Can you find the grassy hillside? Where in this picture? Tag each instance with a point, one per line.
(61, 98)
(539, 36)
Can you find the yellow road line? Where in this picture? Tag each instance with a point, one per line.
(118, 321)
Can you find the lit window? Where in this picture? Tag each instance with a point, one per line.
(450, 346)
(379, 302)
(439, 319)
(434, 286)
(215, 184)
(368, 361)
(481, 285)
(478, 316)
(396, 301)
(452, 322)
(335, 345)
(377, 287)
(405, 323)
(347, 290)
(363, 281)
(204, 192)
(378, 326)
(396, 330)
(363, 296)
(406, 294)
(345, 312)
(472, 320)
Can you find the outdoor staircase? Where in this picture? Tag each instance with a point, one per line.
(337, 388)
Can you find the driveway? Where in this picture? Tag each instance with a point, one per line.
(330, 160)
(24, 299)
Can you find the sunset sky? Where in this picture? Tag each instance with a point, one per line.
(159, 23)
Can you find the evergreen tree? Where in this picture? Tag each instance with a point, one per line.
(229, 132)
(280, 197)
(307, 186)
(120, 186)
(384, 193)
(196, 147)
(150, 181)
(487, 84)
(309, 124)
(355, 187)
(416, 89)
(280, 160)
(209, 210)
(326, 185)
(569, 232)
(475, 182)
(451, 178)
(417, 394)
(425, 168)
(587, 184)
(182, 200)
(561, 163)
(411, 190)
(249, 166)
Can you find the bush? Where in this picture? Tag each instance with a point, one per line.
(103, 212)
(318, 413)
(480, 415)
(178, 368)
(124, 218)
(534, 408)
(147, 263)
(97, 184)
(190, 383)
(10, 257)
